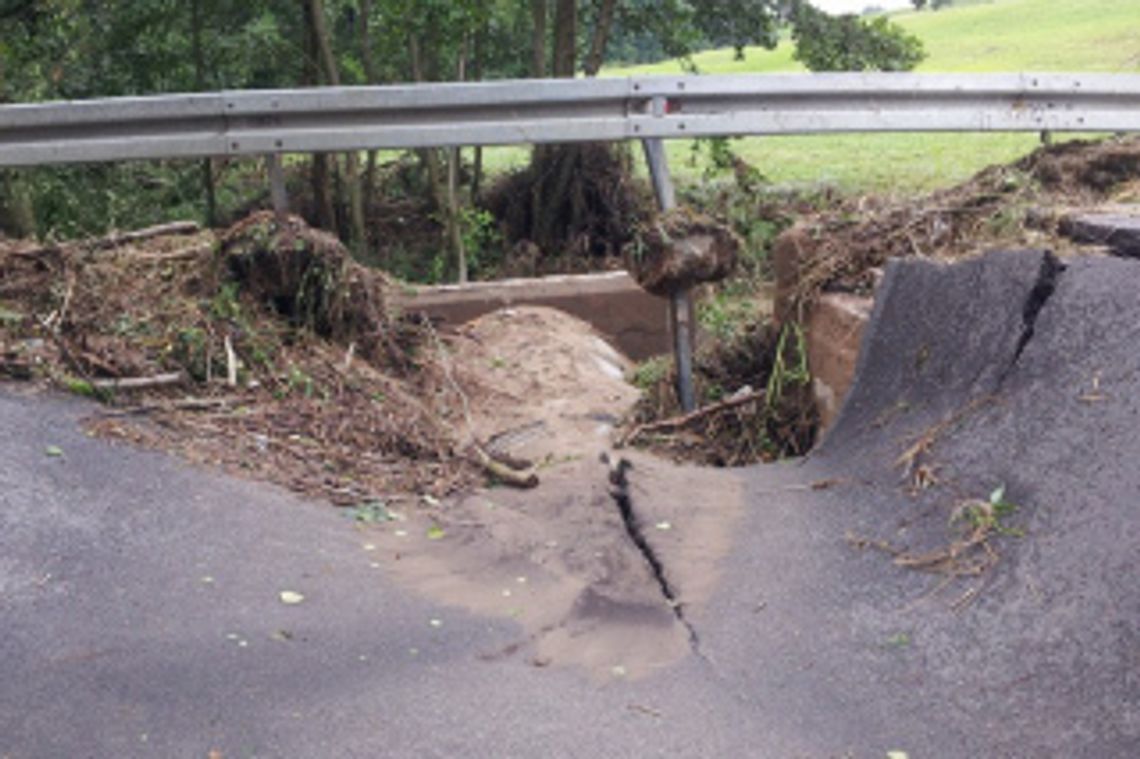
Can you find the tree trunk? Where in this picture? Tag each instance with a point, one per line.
(479, 50)
(538, 39)
(429, 157)
(565, 38)
(200, 86)
(358, 236)
(554, 166)
(453, 156)
(601, 37)
(320, 176)
(370, 77)
(17, 216)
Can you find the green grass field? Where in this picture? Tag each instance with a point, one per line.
(1001, 35)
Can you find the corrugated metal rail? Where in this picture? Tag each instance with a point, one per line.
(542, 111)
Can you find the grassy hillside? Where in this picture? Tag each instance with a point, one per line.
(1002, 35)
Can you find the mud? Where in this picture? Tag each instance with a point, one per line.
(542, 387)
(560, 562)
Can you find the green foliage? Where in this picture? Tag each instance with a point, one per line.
(851, 43)
(481, 239)
(988, 515)
(651, 372)
(726, 313)
(789, 365)
(80, 387)
(370, 512)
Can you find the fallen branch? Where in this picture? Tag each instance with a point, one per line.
(192, 251)
(139, 383)
(678, 422)
(520, 478)
(115, 239)
(186, 404)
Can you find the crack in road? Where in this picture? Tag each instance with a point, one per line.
(619, 491)
(1042, 290)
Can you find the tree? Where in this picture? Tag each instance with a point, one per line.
(320, 35)
(564, 202)
(849, 43)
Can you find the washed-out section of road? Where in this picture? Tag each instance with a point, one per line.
(1009, 379)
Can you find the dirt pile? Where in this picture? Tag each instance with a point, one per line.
(1020, 205)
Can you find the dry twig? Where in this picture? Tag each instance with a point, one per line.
(679, 422)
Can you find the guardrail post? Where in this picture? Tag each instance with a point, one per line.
(681, 301)
(277, 185)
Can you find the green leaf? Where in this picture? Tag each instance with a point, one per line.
(998, 496)
(435, 532)
(370, 512)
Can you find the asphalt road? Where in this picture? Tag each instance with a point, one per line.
(140, 608)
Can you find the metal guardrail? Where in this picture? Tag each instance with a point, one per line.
(544, 111)
(649, 109)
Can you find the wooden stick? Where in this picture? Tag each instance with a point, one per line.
(684, 420)
(186, 404)
(192, 251)
(231, 362)
(526, 478)
(116, 239)
(139, 383)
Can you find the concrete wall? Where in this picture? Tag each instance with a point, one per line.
(632, 320)
(833, 327)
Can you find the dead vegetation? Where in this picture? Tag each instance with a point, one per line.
(572, 209)
(278, 354)
(757, 403)
(680, 249)
(1016, 205)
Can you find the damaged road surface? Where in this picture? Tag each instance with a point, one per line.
(839, 610)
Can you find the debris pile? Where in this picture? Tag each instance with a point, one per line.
(1022, 205)
(266, 350)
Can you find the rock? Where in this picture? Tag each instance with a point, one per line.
(681, 249)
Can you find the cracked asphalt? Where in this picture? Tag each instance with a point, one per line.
(140, 612)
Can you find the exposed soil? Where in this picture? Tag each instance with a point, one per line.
(680, 249)
(336, 397)
(561, 562)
